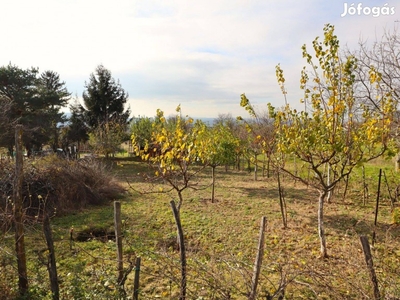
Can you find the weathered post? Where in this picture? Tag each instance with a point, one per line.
(51, 265)
(378, 194)
(370, 266)
(18, 214)
(136, 280)
(213, 183)
(282, 202)
(258, 261)
(118, 240)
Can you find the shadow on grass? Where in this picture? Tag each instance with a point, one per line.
(134, 170)
(131, 170)
(290, 194)
(344, 224)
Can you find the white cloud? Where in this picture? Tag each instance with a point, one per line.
(202, 54)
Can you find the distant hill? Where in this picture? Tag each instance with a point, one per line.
(207, 121)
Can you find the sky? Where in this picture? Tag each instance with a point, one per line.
(200, 54)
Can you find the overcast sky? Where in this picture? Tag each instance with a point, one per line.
(201, 54)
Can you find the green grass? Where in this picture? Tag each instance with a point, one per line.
(221, 240)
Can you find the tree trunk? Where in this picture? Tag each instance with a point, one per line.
(328, 176)
(346, 186)
(18, 219)
(182, 250)
(263, 166)
(56, 136)
(321, 229)
(180, 200)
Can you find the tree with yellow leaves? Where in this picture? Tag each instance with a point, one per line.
(334, 132)
(172, 152)
(216, 146)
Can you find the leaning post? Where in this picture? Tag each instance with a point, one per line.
(118, 240)
(258, 261)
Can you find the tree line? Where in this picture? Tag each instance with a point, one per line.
(350, 117)
(35, 101)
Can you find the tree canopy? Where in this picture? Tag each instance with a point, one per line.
(141, 128)
(172, 150)
(33, 102)
(104, 111)
(104, 99)
(53, 96)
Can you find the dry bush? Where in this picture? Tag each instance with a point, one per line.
(59, 185)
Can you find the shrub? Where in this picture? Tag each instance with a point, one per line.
(59, 185)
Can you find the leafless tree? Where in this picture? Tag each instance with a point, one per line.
(381, 56)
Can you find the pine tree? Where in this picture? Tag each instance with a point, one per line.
(53, 96)
(104, 100)
(104, 111)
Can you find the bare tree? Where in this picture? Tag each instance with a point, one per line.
(382, 57)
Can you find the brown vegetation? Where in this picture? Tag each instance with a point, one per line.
(58, 185)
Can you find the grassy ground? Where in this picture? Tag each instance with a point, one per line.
(221, 239)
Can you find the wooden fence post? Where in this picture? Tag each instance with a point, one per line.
(258, 261)
(136, 280)
(378, 194)
(282, 201)
(118, 240)
(51, 265)
(18, 214)
(370, 266)
(181, 249)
